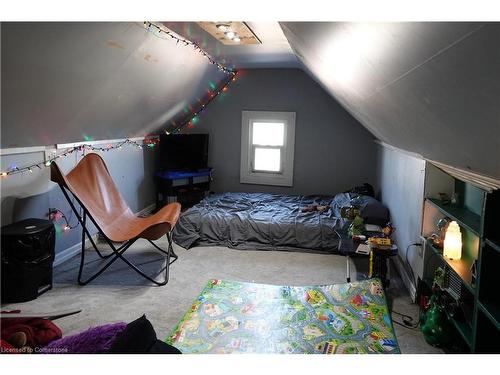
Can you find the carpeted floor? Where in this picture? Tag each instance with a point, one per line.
(119, 294)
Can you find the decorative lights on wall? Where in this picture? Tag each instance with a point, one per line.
(159, 30)
(192, 117)
(149, 142)
(55, 215)
(188, 121)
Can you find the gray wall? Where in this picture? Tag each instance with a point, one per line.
(29, 195)
(333, 152)
(401, 180)
(428, 87)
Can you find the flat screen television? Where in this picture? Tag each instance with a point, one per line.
(183, 152)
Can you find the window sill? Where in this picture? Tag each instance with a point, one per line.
(259, 179)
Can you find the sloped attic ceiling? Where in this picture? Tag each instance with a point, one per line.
(430, 88)
(273, 51)
(69, 82)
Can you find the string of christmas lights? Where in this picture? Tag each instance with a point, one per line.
(149, 142)
(189, 120)
(161, 30)
(56, 214)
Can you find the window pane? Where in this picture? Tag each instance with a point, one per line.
(268, 133)
(267, 159)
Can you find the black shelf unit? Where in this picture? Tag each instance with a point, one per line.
(463, 328)
(186, 187)
(487, 333)
(477, 212)
(489, 295)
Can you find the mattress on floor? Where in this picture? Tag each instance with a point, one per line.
(236, 317)
(261, 221)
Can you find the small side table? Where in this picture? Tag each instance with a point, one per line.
(379, 267)
(348, 248)
(378, 257)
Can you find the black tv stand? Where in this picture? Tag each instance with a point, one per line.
(187, 187)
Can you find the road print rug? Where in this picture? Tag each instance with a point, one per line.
(236, 317)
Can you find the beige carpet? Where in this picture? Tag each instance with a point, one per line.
(121, 295)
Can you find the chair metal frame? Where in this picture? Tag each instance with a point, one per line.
(117, 252)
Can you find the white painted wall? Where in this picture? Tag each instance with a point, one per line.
(401, 180)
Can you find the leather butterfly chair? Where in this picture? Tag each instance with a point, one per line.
(93, 188)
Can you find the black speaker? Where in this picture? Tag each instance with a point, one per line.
(27, 259)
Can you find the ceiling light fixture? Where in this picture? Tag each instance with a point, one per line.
(230, 33)
(222, 26)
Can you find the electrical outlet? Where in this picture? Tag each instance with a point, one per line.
(421, 248)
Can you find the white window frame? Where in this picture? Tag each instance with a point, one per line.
(247, 174)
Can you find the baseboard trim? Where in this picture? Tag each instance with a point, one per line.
(66, 254)
(405, 277)
(72, 251)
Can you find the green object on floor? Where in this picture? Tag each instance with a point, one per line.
(236, 317)
(436, 328)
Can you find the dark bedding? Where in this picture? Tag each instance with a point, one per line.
(262, 221)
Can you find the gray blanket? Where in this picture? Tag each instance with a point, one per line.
(261, 221)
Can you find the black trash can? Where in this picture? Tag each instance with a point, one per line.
(27, 259)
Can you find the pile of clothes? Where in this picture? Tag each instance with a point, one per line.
(23, 335)
(40, 335)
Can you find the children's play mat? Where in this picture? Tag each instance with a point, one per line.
(236, 317)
